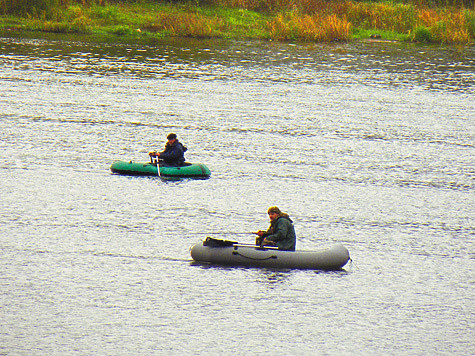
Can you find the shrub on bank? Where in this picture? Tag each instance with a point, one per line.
(422, 34)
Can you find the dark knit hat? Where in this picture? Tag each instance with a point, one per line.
(171, 136)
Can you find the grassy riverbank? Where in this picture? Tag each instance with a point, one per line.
(296, 20)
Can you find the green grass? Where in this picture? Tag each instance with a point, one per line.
(240, 23)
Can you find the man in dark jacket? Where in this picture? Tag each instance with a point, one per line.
(281, 232)
(173, 155)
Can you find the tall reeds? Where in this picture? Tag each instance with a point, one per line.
(189, 24)
(32, 7)
(384, 16)
(456, 26)
(309, 28)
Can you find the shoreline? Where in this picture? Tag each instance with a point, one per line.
(151, 41)
(146, 21)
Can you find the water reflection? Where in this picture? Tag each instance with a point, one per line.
(262, 275)
(273, 277)
(377, 64)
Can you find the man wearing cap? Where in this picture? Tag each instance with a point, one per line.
(173, 155)
(281, 231)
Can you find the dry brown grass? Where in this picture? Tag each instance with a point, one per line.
(385, 16)
(309, 27)
(427, 17)
(186, 24)
(451, 28)
(445, 26)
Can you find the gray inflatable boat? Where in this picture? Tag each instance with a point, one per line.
(232, 253)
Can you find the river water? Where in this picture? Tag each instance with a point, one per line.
(369, 144)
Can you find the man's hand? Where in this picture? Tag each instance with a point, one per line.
(266, 242)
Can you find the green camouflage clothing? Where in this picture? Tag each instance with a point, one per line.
(282, 232)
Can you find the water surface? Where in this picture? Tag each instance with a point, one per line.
(368, 144)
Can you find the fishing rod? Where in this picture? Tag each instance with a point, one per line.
(225, 233)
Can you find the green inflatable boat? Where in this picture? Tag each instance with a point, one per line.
(188, 170)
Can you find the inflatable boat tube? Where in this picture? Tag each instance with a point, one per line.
(235, 254)
(189, 170)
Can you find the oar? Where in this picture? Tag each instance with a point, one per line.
(243, 244)
(239, 243)
(157, 162)
(264, 247)
(223, 233)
